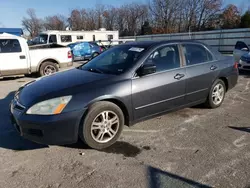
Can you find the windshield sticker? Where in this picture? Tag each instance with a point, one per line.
(135, 49)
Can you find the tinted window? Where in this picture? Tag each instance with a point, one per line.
(110, 37)
(79, 37)
(165, 58)
(52, 39)
(66, 38)
(116, 60)
(239, 45)
(196, 54)
(42, 39)
(9, 46)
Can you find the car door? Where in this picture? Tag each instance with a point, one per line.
(12, 58)
(240, 49)
(163, 90)
(87, 50)
(201, 70)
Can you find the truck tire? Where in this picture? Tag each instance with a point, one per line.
(102, 125)
(48, 68)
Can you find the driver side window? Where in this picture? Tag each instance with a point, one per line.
(165, 58)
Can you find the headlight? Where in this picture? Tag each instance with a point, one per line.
(50, 107)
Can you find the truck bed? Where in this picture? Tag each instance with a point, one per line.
(46, 46)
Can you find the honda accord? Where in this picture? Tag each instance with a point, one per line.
(124, 85)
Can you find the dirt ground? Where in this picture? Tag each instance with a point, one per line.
(193, 147)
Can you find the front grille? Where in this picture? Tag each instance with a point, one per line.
(246, 67)
(35, 132)
(17, 105)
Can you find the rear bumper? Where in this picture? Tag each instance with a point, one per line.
(50, 130)
(233, 79)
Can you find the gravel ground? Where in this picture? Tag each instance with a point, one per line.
(193, 147)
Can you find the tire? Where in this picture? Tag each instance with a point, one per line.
(94, 115)
(212, 101)
(48, 65)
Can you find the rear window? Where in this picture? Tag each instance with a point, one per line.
(10, 46)
(196, 54)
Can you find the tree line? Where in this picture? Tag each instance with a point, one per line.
(155, 17)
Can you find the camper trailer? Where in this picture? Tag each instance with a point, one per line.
(68, 37)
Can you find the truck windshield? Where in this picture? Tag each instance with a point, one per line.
(115, 60)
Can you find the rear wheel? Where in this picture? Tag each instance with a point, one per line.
(216, 94)
(48, 68)
(102, 125)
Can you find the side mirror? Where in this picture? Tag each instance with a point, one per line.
(245, 49)
(147, 69)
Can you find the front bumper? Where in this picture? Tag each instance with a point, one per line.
(243, 65)
(50, 130)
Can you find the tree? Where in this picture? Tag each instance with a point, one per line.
(32, 24)
(245, 20)
(109, 17)
(146, 29)
(230, 17)
(57, 22)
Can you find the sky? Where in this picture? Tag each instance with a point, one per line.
(12, 11)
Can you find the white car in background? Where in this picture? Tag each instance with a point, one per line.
(16, 58)
(242, 55)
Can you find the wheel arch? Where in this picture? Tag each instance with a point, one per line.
(225, 80)
(47, 60)
(117, 102)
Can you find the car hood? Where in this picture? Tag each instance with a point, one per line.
(59, 84)
(246, 57)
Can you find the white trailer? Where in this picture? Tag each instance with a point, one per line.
(67, 37)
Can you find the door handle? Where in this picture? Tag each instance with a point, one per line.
(22, 56)
(179, 76)
(213, 67)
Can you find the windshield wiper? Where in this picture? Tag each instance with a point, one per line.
(95, 70)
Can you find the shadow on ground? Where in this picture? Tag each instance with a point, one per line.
(162, 179)
(9, 137)
(120, 147)
(244, 129)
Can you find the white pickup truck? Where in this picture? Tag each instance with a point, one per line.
(16, 58)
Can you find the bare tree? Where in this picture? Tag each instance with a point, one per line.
(32, 24)
(231, 17)
(109, 17)
(57, 22)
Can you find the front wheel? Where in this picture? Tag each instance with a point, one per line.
(102, 125)
(216, 94)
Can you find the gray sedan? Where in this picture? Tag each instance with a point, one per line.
(122, 86)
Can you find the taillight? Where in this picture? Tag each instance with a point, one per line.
(236, 65)
(69, 54)
(100, 49)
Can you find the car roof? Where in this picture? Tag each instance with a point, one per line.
(152, 43)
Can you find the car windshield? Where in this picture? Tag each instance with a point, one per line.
(116, 60)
